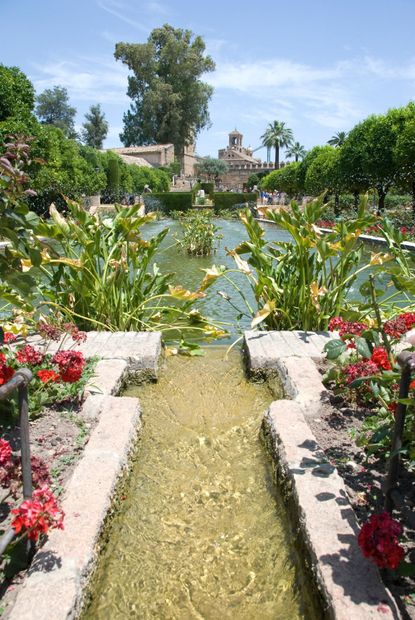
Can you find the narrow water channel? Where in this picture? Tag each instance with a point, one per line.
(200, 533)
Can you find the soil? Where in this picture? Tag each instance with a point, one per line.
(58, 437)
(364, 479)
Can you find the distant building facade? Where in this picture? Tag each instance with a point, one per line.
(241, 163)
(157, 155)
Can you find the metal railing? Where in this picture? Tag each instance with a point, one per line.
(393, 497)
(19, 382)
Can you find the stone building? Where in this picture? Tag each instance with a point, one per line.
(241, 163)
(157, 155)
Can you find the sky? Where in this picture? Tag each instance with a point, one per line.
(320, 66)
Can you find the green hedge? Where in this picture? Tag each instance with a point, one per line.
(227, 200)
(174, 201)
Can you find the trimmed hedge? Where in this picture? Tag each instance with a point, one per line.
(174, 201)
(227, 200)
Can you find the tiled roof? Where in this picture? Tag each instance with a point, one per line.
(132, 159)
(153, 148)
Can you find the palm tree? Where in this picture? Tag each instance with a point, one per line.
(276, 135)
(297, 151)
(338, 139)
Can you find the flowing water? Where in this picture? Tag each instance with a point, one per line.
(201, 533)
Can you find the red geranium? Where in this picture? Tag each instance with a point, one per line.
(9, 338)
(38, 515)
(381, 359)
(47, 376)
(29, 355)
(71, 365)
(6, 373)
(365, 368)
(378, 540)
(5, 452)
(401, 324)
(346, 329)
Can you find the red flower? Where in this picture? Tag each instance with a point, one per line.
(412, 385)
(378, 540)
(401, 324)
(381, 359)
(365, 368)
(9, 338)
(29, 355)
(47, 376)
(6, 373)
(346, 329)
(71, 365)
(38, 515)
(5, 452)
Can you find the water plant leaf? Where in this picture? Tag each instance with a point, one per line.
(211, 276)
(240, 262)
(178, 292)
(262, 314)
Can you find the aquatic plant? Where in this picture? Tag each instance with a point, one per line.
(200, 234)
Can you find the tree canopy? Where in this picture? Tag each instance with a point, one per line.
(169, 101)
(95, 127)
(17, 95)
(212, 168)
(53, 109)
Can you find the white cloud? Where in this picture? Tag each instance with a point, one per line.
(119, 10)
(87, 79)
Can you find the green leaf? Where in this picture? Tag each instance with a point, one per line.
(363, 348)
(406, 569)
(334, 348)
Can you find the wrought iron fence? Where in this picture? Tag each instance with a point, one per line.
(19, 382)
(393, 497)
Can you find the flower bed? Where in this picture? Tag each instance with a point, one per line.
(364, 382)
(57, 436)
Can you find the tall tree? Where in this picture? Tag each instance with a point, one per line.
(338, 139)
(296, 150)
(277, 135)
(53, 109)
(17, 95)
(367, 156)
(95, 128)
(170, 102)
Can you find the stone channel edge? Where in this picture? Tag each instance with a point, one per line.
(325, 523)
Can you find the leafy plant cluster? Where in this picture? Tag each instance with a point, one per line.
(200, 234)
(300, 283)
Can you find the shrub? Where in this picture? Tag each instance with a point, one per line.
(199, 233)
(174, 201)
(226, 200)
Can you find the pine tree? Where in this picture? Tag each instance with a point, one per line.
(95, 128)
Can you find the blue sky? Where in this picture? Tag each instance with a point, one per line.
(320, 66)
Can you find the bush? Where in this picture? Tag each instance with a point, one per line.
(227, 200)
(174, 201)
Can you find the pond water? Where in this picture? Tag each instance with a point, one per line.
(201, 533)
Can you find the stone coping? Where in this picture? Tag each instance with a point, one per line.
(57, 579)
(327, 528)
